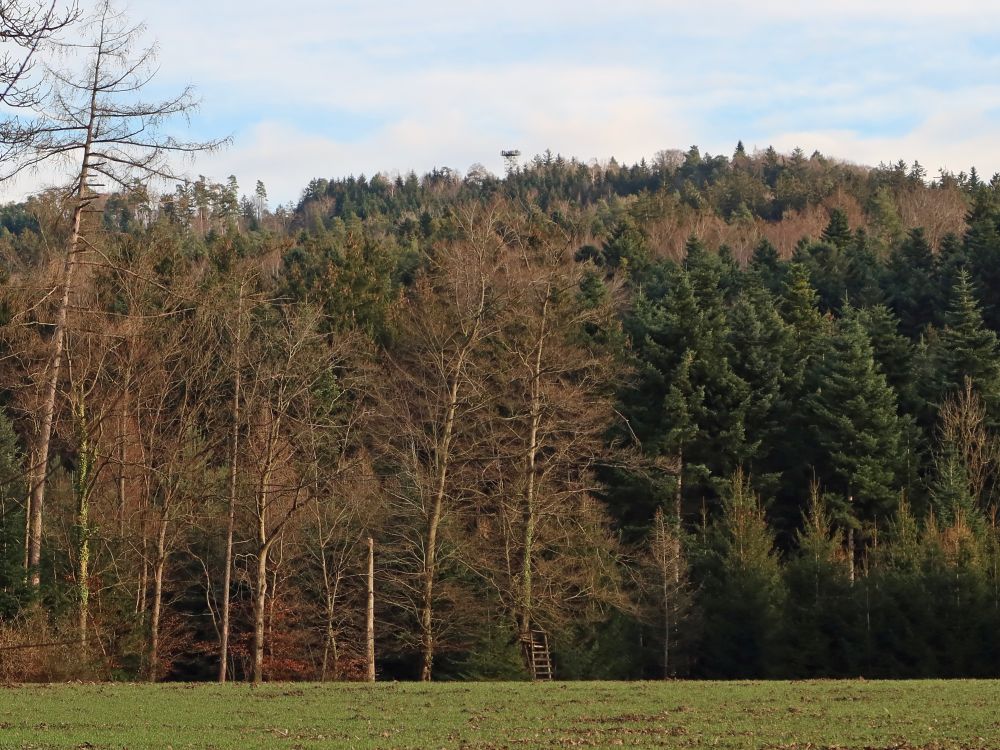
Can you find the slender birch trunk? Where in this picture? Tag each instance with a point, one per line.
(81, 487)
(264, 541)
(430, 554)
(531, 478)
(443, 460)
(370, 619)
(231, 521)
(154, 626)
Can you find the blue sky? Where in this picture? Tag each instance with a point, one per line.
(323, 89)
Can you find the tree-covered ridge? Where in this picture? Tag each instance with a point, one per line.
(711, 416)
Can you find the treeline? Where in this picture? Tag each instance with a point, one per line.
(707, 416)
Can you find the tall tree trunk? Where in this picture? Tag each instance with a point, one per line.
(443, 464)
(531, 479)
(259, 609)
(666, 628)
(679, 489)
(850, 555)
(159, 565)
(434, 522)
(81, 488)
(40, 470)
(27, 517)
(122, 459)
(330, 639)
(234, 453)
(263, 549)
(272, 595)
(370, 618)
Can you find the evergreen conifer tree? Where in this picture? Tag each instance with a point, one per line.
(910, 283)
(966, 348)
(743, 594)
(854, 427)
(820, 633)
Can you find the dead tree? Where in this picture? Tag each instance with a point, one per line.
(26, 26)
(94, 117)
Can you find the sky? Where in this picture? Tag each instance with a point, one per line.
(314, 88)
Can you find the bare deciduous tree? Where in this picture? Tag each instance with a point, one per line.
(434, 396)
(96, 118)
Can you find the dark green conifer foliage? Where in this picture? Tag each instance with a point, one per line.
(687, 402)
(821, 630)
(854, 426)
(766, 264)
(896, 358)
(827, 267)
(898, 606)
(800, 309)
(760, 349)
(838, 231)
(966, 348)
(893, 352)
(910, 284)
(743, 595)
(952, 258)
(625, 248)
(949, 491)
(862, 272)
(982, 246)
(794, 454)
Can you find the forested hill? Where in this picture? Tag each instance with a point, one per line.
(703, 416)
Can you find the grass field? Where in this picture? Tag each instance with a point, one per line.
(849, 714)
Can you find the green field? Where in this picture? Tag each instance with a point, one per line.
(847, 714)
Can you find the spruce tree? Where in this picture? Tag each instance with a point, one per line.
(820, 629)
(982, 247)
(743, 594)
(863, 272)
(966, 348)
(854, 427)
(838, 231)
(952, 258)
(910, 283)
(766, 264)
(759, 351)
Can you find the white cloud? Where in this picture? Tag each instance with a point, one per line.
(468, 118)
(325, 88)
